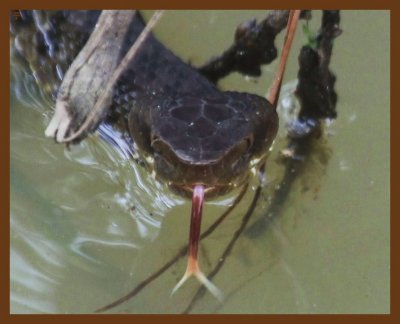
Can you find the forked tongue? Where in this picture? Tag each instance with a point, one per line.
(193, 268)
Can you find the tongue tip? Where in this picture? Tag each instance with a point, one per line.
(201, 277)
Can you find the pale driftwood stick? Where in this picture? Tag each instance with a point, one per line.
(117, 73)
(89, 73)
(60, 126)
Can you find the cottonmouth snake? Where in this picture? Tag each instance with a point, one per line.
(191, 132)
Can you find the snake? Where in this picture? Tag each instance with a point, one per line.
(200, 140)
(193, 132)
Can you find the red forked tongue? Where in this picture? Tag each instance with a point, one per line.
(192, 268)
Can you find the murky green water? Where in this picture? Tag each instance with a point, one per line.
(87, 224)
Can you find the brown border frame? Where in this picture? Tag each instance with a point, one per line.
(7, 5)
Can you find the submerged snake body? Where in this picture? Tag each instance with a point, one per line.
(195, 133)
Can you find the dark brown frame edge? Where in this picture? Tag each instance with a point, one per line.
(8, 5)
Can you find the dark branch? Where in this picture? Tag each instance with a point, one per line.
(318, 98)
(254, 45)
(315, 89)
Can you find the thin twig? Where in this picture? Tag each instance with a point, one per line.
(273, 96)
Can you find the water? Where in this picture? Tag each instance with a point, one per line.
(87, 224)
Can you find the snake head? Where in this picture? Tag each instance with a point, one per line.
(210, 141)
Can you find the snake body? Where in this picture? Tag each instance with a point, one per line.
(193, 132)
